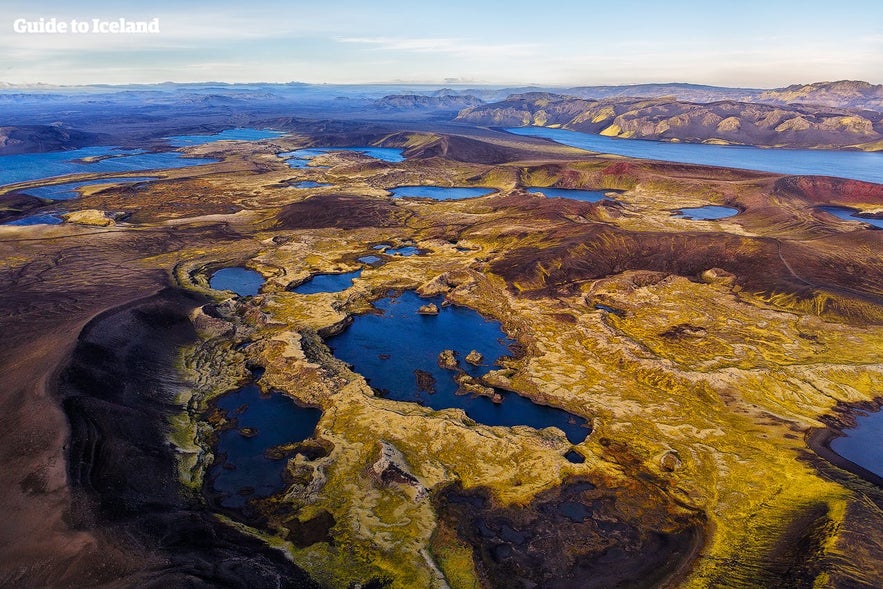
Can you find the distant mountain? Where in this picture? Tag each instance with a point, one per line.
(842, 94)
(444, 102)
(669, 119)
(42, 138)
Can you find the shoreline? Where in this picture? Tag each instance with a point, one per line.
(842, 417)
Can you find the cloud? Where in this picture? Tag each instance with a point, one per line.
(447, 46)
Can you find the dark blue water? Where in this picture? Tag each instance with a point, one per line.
(848, 214)
(708, 212)
(440, 192)
(863, 444)
(68, 190)
(242, 281)
(575, 457)
(845, 164)
(35, 166)
(227, 135)
(387, 348)
(275, 420)
(299, 157)
(572, 194)
(41, 219)
(327, 283)
(310, 184)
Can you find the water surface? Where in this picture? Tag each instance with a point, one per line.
(262, 422)
(242, 281)
(40, 219)
(310, 184)
(707, 213)
(68, 190)
(440, 192)
(299, 157)
(863, 444)
(327, 283)
(405, 250)
(859, 165)
(570, 193)
(388, 349)
(226, 135)
(848, 214)
(36, 166)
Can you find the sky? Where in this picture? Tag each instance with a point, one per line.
(748, 43)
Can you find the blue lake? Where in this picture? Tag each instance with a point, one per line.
(405, 250)
(845, 164)
(707, 213)
(36, 166)
(242, 281)
(863, 444)
(440, 192)
(310, 184)
(327, 283)
(370, 259)
(388, 348)
(245, 470)
(41, 219)
(300, 157)
(68, 190)
(226, 135)
(571, 193)
(848, 214)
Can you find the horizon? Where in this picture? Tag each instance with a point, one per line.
(751, 44)
(394, 84)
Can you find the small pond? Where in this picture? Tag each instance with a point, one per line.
(863, 444)
(242, 281)
(707, 213)
(327, 283)
(848, 214)
(68, 190)
(571, 193)
(440, 192)
(262, 422)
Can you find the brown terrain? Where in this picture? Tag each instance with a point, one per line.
(707, 356)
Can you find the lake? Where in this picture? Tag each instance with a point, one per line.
(299, 158)
(262, 422)
(858, 165)
(327, 283)
(40, 219)
(68, 190)
(226, 135)
(848, 214)
(397, 351)
(242, 281)
(570, 193)
(863, 444)
(707, 213)
(36, 166)
(440, 192)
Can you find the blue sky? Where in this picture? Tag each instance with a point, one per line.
(746, 43)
